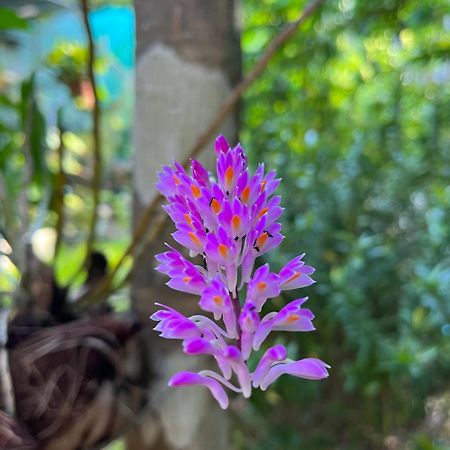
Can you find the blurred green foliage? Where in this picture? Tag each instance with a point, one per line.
(354, 113)
(9, 20)
(69, 60)
(45, 161)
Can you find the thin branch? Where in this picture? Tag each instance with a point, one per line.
(23, 244)
(59, 190)
(280, 39)
(27, 175)
(142, 226)
(107, 287)
(97, 143)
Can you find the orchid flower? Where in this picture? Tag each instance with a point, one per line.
(229, 222)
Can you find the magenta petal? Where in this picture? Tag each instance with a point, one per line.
(248, 321)
(216, 299)
(262, 286)
(194, 284)
(261, 333)
(291, 317)
(303, 322)
(192, 378)
(246, 344)
(295, 274)
(173, 325)
(178, 329)
(234, 357)
(221, 145)
(199, 173)
(198, 346)
(247, 266)
(302, 281)
(273, 354)
(161, 315)
(189, 239)
(308, 368)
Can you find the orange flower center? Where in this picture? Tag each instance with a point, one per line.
(195, 191)
(218, 300)
(194, 238)
(262, 239)
(188, 219)
(262, 286)
(223, 250)
(292, 318)
(263, 185)
(175, 179)
(294, 277)
(215, 205)
(236, 222)
(229, 176)
(263, 211)
(245, 194)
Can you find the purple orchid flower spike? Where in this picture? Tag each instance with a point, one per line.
(230, 221)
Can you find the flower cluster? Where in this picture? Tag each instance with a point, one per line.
(229, 222)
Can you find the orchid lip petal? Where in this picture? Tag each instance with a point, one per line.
(273, 354)
(192, 378)
(308, 368)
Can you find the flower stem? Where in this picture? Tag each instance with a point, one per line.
(237, 313)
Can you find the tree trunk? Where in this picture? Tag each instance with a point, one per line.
(188, 57)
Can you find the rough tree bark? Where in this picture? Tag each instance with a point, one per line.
(188, 57)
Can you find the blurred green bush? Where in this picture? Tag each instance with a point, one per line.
(354, 114)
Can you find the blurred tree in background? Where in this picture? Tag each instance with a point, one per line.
(353, 112)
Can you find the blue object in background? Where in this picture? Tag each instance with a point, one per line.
(114, 35)
(117, 24)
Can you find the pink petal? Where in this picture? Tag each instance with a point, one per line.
(192, 378)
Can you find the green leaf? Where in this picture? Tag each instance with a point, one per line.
(10, 20)
(34, 128)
